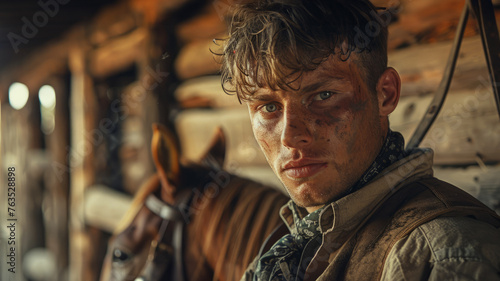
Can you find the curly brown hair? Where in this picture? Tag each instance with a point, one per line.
(271, 43)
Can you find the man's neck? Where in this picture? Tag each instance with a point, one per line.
(314, 208)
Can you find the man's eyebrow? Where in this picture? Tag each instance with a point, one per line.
(315, 86)
(311, 87)
(260, 97)
(265, 96)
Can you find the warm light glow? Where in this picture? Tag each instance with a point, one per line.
(47, 96)
(18, 95)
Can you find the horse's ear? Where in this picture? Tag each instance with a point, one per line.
(216, 152)
(165, 152)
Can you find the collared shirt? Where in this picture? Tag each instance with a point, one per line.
(429, 252)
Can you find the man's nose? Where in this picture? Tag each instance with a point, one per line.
(296, 130)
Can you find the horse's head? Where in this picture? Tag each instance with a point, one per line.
(192, 222)
(151, 243)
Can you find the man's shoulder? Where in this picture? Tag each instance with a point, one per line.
(430, 198)
(457, 232)
(446, 247)
(452, 237)
(454, 217)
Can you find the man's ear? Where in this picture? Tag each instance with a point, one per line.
(388, 91)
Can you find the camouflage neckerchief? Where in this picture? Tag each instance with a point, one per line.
(283, 260)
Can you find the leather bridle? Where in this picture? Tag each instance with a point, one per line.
(161, 251)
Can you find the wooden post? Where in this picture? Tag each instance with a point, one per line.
(82, 104)
(57, 180)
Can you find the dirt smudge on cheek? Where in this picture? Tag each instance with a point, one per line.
(341, 131)
(264, 134)
(328, 121)
(263, 141)
(331, 119)
(264, 144)
(261, 123)
(360, 106)
(361, 97)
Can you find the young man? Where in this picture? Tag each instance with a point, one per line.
(315, 78)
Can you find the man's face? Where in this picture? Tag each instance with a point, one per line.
(321, 138)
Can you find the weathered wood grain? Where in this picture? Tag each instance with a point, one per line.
(421, 66)
(196, 59)
(208, 24)
(204, 91)
(101, 200)
(117, 54)
(468, 126)
(83, 106)
(112, 22)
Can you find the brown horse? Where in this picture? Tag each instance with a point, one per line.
(192, 222)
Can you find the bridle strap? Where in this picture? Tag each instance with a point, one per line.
(177, 241)
(176, 215)
(162, 209)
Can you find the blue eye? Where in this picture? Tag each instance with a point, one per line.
(270, 107)
(323, 95)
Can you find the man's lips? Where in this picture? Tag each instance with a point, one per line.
(303, 168)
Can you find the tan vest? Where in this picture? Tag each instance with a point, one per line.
(363, 256)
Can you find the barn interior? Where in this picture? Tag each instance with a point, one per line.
(82, 82)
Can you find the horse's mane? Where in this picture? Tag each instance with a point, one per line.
(242, 216)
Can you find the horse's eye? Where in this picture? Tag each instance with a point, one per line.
(120, 256)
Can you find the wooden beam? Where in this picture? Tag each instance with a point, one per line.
(421, 66)
(111, 22)
(204, 91)
(35, 69)
(467, 129)
(101, 200)
(117, 54)
(195, 126)
(196, 59)
(208, 24)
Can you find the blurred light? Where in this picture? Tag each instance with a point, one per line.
(18, 95)
(47, 96)
(39, 264)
